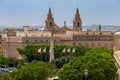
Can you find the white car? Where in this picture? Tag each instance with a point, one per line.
(55, 78)
(4, 68)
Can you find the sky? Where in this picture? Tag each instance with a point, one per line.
(34, 12)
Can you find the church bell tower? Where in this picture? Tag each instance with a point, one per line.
(77, 23)
(49, 21)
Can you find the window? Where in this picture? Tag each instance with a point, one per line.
(27, 41)
(26, 35)
(102, 44)
(83, 44)
(76, 43)
(41, 41)
(35, 40)
(54, 40)
(46, 40)
(78, 24)
(41, 35)
(50, 24)
(108, 44)
(77, 39)
(95, 44)
(100, 33)
(89, 44)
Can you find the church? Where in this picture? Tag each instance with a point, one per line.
(51, 25)
(76, 36)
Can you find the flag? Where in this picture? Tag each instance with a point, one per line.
(43, 51)
(67, 50)
(36, 51)
(63, 50)
(39, 50)
(73, 51)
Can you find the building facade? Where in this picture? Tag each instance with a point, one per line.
(21, 39)
(0, 43)
(60, 35)
(94, 39)
(117, 41)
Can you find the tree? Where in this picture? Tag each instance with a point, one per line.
(3, 60)
(5, 76)
(99, 62)
(29, 51)
(12, 62)
(59, 62)
(33, 71)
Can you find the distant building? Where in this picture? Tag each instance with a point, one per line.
(117, 41)
(19, 38)
(77, 36)
(93, 39)
(0, 43)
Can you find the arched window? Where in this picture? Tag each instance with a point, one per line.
(41, 41)
(55, 41)
(46, 41)
(27, 41)
(35, 40)
(78, 24)
(50, 24)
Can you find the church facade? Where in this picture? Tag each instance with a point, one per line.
(76, 36)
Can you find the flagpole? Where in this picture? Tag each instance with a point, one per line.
(41, 56)
(45, 57)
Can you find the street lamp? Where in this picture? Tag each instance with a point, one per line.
(85, 74)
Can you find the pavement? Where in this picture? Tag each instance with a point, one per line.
(117, 58)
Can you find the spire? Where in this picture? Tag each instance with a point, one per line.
(77, 15)
(49, 14)
(99, 27)
(64, 23)
(77, 12)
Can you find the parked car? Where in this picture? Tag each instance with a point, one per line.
(55, 78)
(4, 68)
